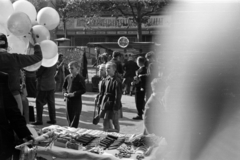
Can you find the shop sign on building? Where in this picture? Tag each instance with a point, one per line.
(116, 23)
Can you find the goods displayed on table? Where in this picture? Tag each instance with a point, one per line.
(98, 142)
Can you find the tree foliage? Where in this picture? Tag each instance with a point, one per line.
(138, 11)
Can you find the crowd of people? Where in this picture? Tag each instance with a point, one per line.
(142, 76)
(117, 78)
(128, 75)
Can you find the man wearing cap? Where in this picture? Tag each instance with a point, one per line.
(12, 63)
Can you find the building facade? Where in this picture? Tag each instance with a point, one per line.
(109, 29)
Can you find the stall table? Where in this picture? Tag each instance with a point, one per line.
(66, 143)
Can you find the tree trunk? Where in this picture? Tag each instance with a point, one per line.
(64, 28)
(139, 23)
(139, 32)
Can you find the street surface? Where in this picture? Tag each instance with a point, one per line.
(127, 125)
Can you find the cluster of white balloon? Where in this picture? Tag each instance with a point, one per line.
(16, 21)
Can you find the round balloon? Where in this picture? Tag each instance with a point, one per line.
(50, 62)
(19, 24)
(6, 9)
(29, 36)
(35, 66)
(41, 33)
(17, 44)
(48, 17)
(49, 49)
(26, 7)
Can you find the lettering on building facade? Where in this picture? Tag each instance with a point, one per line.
(115, 23)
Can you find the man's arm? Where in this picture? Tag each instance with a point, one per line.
(27, 60)
(82, 89)
(65, 84)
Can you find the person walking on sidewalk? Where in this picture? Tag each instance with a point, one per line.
(73, 88)
(46, 93)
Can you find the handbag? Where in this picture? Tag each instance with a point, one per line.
(96, 117)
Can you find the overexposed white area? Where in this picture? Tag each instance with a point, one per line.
(201, 56)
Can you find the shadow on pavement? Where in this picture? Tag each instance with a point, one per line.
(125, 109)
(91, 126)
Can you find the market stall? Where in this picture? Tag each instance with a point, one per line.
(68, 143)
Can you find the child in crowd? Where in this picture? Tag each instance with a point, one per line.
(73, 88)
(110, 103)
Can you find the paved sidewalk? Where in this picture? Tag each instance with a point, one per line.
(127, 125)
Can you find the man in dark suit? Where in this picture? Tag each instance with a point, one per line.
(130, 68)
(140, 82)
(45, 94)
(117, 60)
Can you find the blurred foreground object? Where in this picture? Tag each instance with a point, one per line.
(201, 54)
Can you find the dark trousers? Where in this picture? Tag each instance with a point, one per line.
(74, 109)
(140, 102)
(148, 92)
(45, 97)
(127, 84)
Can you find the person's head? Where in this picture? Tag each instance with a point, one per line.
(104, 58)
(140, 61)
(73, 67)
(111, 69)
(60, 57)
(130, 57)
(102, 70)
(149, 56)
(117, 55)
(3, 41)
(126, 56)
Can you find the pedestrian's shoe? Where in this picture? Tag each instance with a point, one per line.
(37, 123)
(51, 122)
(137, 118)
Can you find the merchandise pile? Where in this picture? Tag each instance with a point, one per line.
(99, 142)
